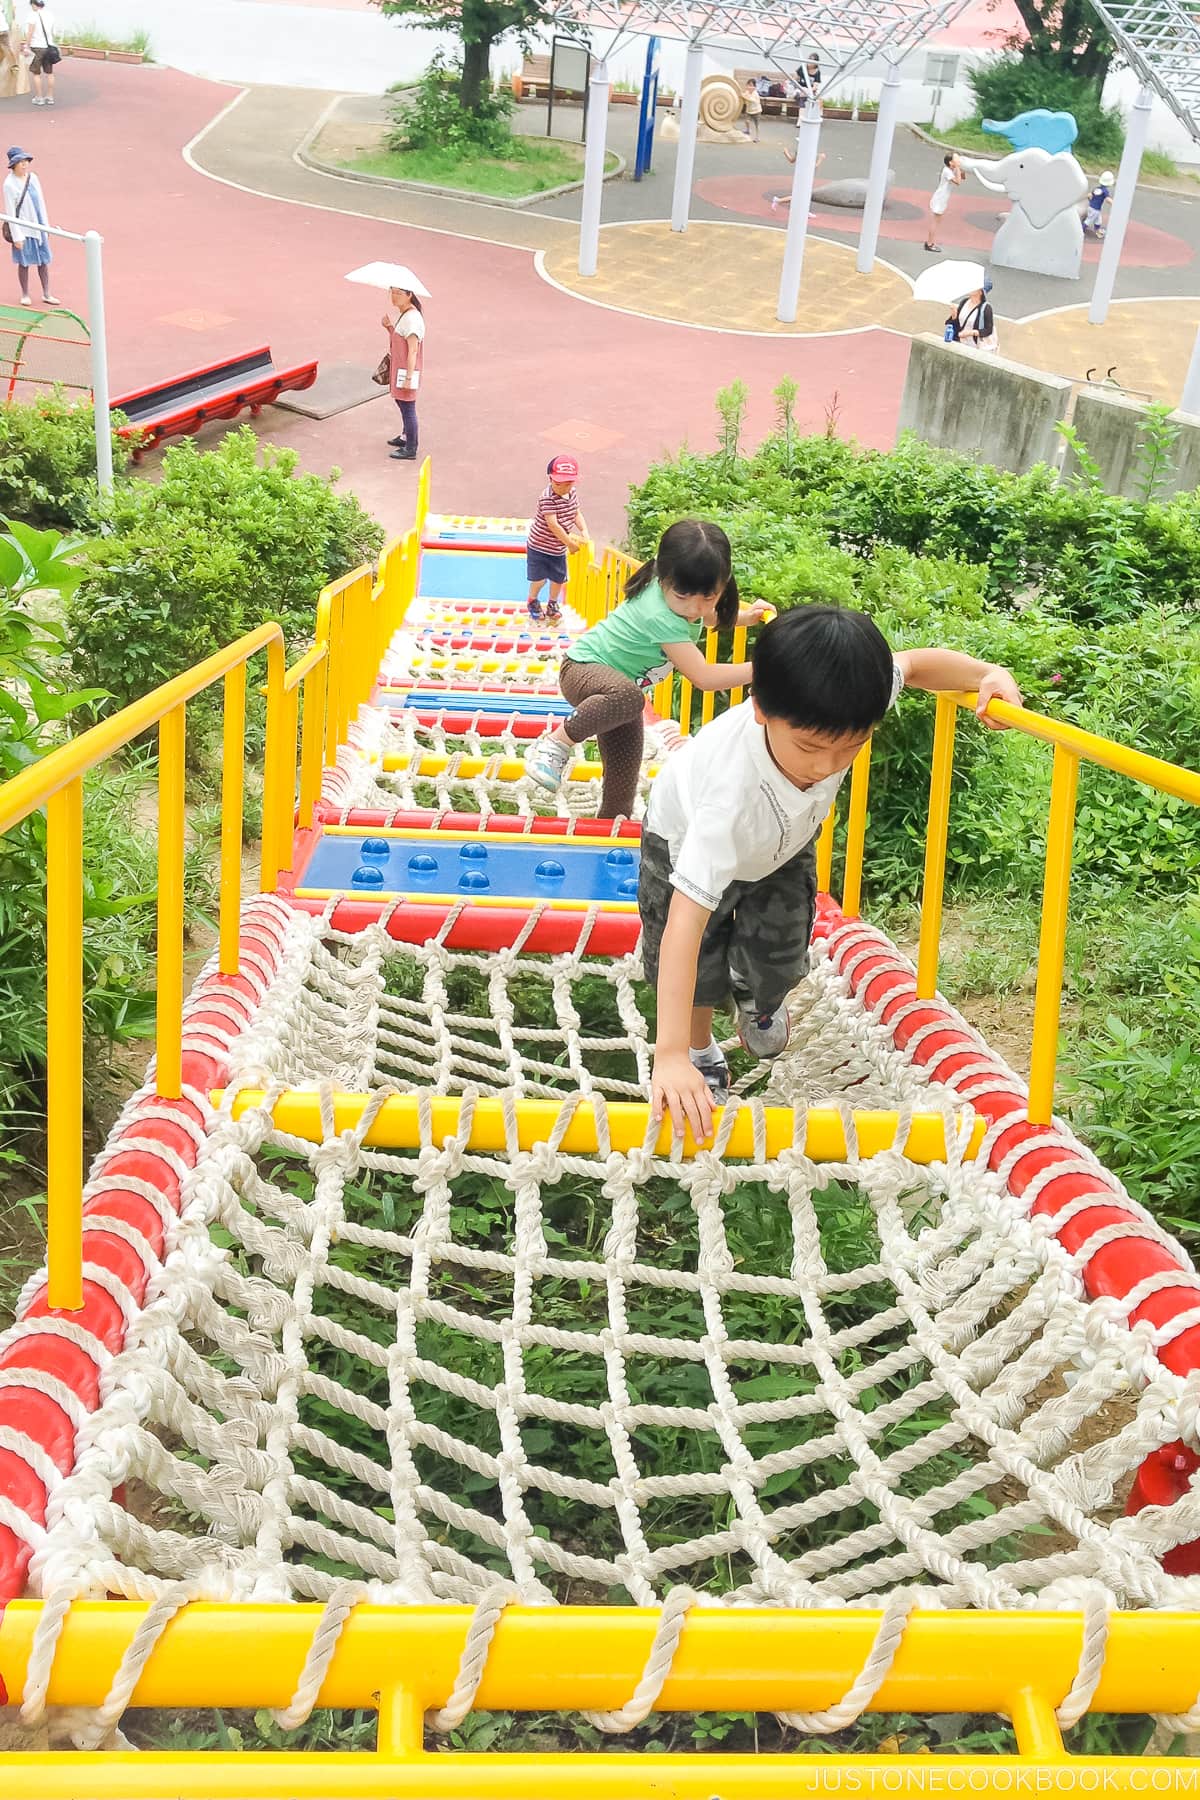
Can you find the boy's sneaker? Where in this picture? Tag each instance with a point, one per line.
(715, 1070)
(547, 762)
(553, 612)
(763, 1034)
(535, 611)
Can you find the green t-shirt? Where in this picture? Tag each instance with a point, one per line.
(632, 637)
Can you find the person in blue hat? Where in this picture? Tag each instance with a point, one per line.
(25, 211)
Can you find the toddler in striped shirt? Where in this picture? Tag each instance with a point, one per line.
(556, 527)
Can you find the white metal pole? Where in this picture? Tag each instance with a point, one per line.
(93, 247)
(881, 156)
(593, 168)
(1122, 206)
(1190, 403)
(807, 139)
(689, 126)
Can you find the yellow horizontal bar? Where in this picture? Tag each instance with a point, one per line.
(34, 785)
(472, 899)
(575, 1657)
(307, 663)
(502, 839)
(397, 1125)
(1167, 778)
(507, 768)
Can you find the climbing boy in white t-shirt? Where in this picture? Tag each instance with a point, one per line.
(727, 884)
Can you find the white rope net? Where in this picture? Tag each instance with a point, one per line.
(608, 1376)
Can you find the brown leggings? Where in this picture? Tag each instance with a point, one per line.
(609, 707)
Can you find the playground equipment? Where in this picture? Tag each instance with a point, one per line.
(219, 390)
(388, 1327)
(43, 347)
(1042, 231)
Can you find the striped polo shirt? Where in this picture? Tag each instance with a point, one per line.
(564, 508)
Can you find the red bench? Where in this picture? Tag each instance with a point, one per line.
(221, 390)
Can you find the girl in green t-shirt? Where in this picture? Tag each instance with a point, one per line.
(687, 586)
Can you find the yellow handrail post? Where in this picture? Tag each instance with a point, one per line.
(168, 1054)
(856, 832)
(233, 777)
(685, 707)
(1052, 944)
(311, 738)
(738, 654)
(64, 1045)
(825, 852)
(336, 673)
(278, 776)
(934, 884)
(708, 699)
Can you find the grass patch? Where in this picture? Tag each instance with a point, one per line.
(92, 37)
(1157, 162)
(532, 166)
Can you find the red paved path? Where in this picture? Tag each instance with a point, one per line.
(196, 270)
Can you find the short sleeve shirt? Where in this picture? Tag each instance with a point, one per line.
(632, 638)
(564, 508)
(728, 813)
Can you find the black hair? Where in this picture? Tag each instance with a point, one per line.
(693, 557)
(826, 669)
(413, 300)
(948, 158)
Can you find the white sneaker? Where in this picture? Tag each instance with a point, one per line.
(38, 101)
(763, 1034)
(547, 762)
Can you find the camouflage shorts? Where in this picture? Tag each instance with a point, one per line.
(755, 946)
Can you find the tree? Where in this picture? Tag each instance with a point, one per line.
(1066, 34)
(479, 24)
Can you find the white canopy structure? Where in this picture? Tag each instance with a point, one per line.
(845, 35)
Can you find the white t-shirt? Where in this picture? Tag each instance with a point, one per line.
(728, 813)
(43, 28)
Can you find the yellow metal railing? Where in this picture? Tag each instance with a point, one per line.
(356, 618)
(1071, 747)
(402, 1663)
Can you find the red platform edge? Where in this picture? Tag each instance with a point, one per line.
(946, 1046)
(426, 819)
(208, 1035)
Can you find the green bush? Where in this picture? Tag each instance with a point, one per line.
(36, 701)
(226, 539)
(1007, 85)
(48, 462)
(428, 116)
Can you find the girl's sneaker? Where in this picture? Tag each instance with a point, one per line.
(547, 762)
(715, 1070)
(535, 611)
(763, 1034)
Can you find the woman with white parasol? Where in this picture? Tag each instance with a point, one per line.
(964, 287)
(405, 326)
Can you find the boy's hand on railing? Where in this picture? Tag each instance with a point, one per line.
(678, 1088)
(996, 684)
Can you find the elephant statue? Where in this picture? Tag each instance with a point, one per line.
(1043, 232)
(1036, 130)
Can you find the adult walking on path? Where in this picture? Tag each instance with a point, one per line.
(405, 326)
(25, 202)
(44, 52)
(951, 176)
(974, 321)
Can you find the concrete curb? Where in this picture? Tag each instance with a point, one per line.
(1159, 184)
(304, 154)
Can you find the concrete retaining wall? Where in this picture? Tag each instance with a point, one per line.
(984, 406)
(1111, 427)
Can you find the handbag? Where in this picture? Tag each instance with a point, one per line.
(382, 376)
(51, 54)
(7, 228)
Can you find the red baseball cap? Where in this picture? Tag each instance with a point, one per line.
(563, 468)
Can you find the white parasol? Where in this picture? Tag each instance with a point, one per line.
(389, 275)
(946, 282)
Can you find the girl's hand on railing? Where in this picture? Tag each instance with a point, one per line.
(996, 684)
(756, 613)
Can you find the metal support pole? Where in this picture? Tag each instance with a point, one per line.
(1190, 401)
(881, 156)
(1122, 206)
(93, 245)
(593, 169)
(689, 125)
(797, 227)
